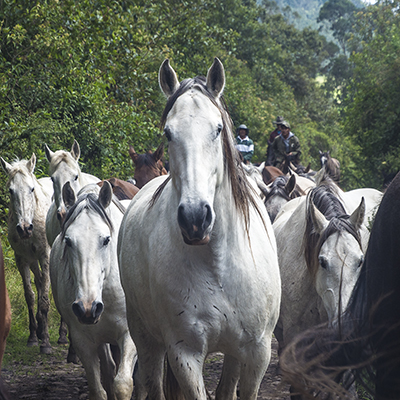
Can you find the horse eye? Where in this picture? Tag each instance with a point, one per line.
(52, 179)
(167, 134)
(323, 262)
(68, 241)
(32, 190)
(11, 191)
(361, 262)
(76, 178)
(106, 241)
(219, 129)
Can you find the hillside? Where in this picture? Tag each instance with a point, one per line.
(304, 13)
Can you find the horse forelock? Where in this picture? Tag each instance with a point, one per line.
(339, 221)
(62, 156)
(88, 201)
(242, 192)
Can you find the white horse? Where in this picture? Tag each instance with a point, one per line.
(87, 289)
(198, 255)
(64, 167)
(29, 202)
(320, 251)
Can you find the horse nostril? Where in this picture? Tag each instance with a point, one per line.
(30, 228)
(78, 309)
(208, 218)
(97, 309)
(19, 229)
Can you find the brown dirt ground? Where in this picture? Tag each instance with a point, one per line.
(58, 380)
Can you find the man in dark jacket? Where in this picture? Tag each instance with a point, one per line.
(286, 146)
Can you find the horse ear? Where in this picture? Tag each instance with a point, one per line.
(291, 183)
(133, 154)
(167, 79)
(320, 152)
(307, 168)
(105, 195)
(5, 165)
(68, 195)
(48, 152)
(31, 163)
(318, 219)
(261, 167)
(357, 217)
(216, 78)
(159, 153)
(75, 150)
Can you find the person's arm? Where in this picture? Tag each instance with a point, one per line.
(295, 148)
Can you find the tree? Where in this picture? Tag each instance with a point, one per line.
(339, 13)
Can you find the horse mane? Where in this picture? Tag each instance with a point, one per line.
(87, 201)
(325, 200)
(59, 157)
(242, 192)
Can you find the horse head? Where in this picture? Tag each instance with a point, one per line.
(63, 167)
(147, 166)
(88, 239)
(333, 249)
(21, 187)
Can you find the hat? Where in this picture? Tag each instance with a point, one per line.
(243, 127)
(285, 123)
(278, 120)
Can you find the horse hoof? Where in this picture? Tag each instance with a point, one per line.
(72, 358)
(32, 342)
(62, 340)
(45, 349)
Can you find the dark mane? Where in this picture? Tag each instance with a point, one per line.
(325, 200)
(278, 188)
(241, 190)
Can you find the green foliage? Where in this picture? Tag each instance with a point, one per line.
(373, 103)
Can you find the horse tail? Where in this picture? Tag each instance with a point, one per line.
(172, 389)
(321, 357)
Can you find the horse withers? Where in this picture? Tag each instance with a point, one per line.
(87, 289)
(29, 202)
(197, 254)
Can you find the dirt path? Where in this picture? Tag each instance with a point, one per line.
(56, 380)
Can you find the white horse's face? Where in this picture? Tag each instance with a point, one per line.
(88, 249)
(274, 204)
(193, 130)
(340, 259)
(23, 199)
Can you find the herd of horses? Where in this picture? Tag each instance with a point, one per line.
(213, 255)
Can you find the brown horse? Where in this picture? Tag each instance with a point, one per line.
(123, 190)
(270, 173)
(5, 320)
(148, 165)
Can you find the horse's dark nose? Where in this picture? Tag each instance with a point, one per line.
(25, 230)
(61, 213)
(194, 222)
(85, 315)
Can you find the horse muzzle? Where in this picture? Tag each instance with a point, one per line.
(195, 223)
(25, 230)
(88, 315)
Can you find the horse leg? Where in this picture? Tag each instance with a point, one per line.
(187, 367)
(88, 353)
(25, 273)
(253, 368)
(123, 382)
(150, 361)
(42, 282)
(226, 389)
(62, 333)
(107, 369)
